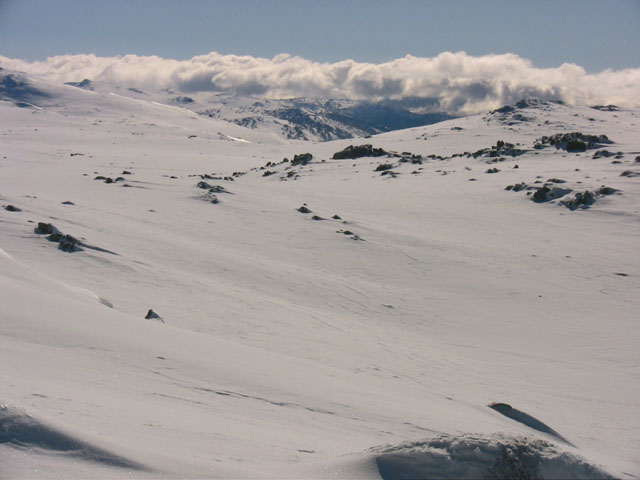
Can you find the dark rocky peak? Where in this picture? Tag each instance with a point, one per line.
(513, 114)
(86, 84)
(17, 88)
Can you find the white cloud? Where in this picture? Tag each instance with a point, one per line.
(453, 82)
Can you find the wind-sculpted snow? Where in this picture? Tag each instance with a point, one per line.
(473, 457)
(531, 422)
(22, 431)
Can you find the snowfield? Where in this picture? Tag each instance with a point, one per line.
(366, 338)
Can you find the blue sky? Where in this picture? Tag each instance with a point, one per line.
(594, 34)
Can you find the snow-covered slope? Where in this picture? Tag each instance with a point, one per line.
(294, 119)
(298, 344)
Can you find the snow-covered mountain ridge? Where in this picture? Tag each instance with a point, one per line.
(298, 118)
(362, 336)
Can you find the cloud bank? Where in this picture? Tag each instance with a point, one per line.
(453, 82)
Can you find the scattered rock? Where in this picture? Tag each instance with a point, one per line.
(316, 217)
(46, 229)
(500, 149)
(603, 154)
(556, 180)
(212, 188)
(336, 217)
(351, 235)
(607, 190)
(546, 194)
(302, 159)
(492, 170)
(126, 172)
(67, 243)
(517, 187)
(606, 108)
(352, 152)
(67, 202)
(630, 174)
(383, 166)
(12, 208)
(572, 142)
(304, 209)
(151, 315)
(581, 200)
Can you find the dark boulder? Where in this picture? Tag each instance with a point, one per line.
(546, 194)
(607, 190)
(302, 159)
(46, 229)
(383, 166)
(151, 315)
(580, 200)
(68, 243)
(576, 146)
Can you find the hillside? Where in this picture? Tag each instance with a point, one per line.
(482, 260)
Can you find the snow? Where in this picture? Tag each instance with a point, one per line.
(288, 349)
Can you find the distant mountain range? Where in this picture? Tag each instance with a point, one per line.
(294, 119)
(319, 120)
